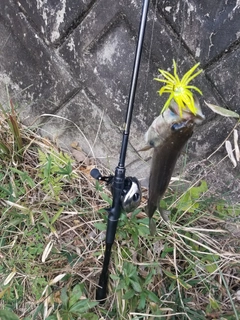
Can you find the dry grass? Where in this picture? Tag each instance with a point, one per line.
(190, 270)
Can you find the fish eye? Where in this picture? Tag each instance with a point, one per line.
(151, 142)
(175, 127)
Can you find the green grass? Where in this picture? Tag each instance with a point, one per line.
(53, 224)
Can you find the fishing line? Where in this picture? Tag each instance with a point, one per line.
(150, 51)
(146, 95)
(181, 20)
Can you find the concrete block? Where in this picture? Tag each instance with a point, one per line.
(54, 19)
(101, 50)
(95, 133)
(225, 75)
(41, 80)
(208, 27)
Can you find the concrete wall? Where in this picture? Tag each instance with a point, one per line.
(73, 59)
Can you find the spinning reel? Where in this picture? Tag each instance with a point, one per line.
(131, 193)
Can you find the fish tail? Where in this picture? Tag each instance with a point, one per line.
(152, 226)
(164, 214)
(150, 209)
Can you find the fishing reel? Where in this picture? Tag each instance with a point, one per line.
(131, 193)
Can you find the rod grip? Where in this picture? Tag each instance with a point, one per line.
(101, 292)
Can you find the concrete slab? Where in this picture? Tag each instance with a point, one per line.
(208, 28)
(225, 75)
(54, 19)
(103, 57)
(94, 131)
(31, 70)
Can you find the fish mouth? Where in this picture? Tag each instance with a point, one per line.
(187, 114)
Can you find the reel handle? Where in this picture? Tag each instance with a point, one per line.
(95, 173)
(131, 194)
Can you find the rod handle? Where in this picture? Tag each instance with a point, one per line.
(101, 292)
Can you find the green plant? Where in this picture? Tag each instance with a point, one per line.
(53, 222)
(75, 305)
(133, 288)
(8, 315)
(55, 169)
(11, 145)
(15, 184)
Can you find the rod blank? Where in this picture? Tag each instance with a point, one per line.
(119, 177)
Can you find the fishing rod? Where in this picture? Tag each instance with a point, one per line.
(126, 191)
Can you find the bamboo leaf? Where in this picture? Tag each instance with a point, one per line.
(56, 216)
(222, 111)
(184, 284)
(5, 148)
(169, 274)
(2, 293)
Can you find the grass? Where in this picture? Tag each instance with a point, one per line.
(52, 232)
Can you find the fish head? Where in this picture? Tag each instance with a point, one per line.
(170, 122)
(172, 114)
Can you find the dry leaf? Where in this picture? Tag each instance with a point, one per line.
(237, 295)
(236, 147)
(80, 156)
(46, 251)
(229, 149)
(9, 277)
(75, 145)
(222, 111)
(57, 278)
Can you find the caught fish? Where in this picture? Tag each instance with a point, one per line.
(167, 135)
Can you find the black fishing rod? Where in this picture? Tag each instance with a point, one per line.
(126, 191)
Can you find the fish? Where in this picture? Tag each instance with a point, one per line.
(167, 135)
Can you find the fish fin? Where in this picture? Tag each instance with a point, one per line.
(146, 148)
(152, 226)
(164, 214)
(152, 223)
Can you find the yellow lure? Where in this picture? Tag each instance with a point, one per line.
(179, 90)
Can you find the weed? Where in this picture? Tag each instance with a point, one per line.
(13, 147)
(53, 224)
(55, 170)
